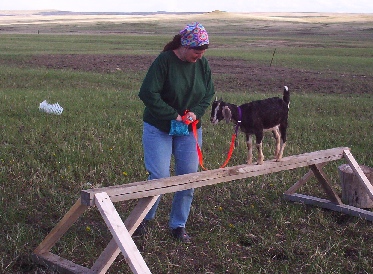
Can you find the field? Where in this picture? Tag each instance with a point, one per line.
(93, 66)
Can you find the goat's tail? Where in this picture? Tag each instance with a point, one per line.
(286, 96)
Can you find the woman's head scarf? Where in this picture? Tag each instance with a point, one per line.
(194, 35)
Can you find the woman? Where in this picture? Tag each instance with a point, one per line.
(177, 83)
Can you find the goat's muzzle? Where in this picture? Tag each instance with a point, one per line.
(214, 120)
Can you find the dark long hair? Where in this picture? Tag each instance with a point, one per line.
(175, 43)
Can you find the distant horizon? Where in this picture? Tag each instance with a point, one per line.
(176, 6)
(167, 12)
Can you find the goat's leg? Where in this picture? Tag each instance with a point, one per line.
(282, 129)
(279, 157)
(276, 135)
(259, 146)
(260, 153)
(249, 144)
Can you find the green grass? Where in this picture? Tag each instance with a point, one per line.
(80, 44)
(239, 227)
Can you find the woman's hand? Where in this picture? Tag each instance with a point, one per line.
(191, 115)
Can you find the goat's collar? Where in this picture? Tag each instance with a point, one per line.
(239, 119)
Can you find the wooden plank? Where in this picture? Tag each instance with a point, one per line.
(303, 180)
(346, 209)
(359, 173)
(321, 177)
(57, 264)
(112, 250)
(176, 183)
(120, 234)
(57, 232)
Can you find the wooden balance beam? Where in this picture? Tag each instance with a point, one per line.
(148, 191)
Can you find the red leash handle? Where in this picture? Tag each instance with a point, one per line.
(199, 151)
(187, 119)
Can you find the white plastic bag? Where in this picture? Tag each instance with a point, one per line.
(50, 108)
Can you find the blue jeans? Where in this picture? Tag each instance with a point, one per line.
(158, 147)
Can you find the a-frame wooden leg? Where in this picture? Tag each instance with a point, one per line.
(303, 180)
(112, 250)
(60, 229)
(321, 177)
(120, 234)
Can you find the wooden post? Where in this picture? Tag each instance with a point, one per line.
(360, 174)
(353, 192)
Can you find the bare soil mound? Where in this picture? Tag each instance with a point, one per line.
(230, 75)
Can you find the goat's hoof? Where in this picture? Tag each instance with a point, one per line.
(259, 163)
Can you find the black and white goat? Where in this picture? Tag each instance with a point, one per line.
(255, 118)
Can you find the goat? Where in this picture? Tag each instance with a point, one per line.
(255, 118)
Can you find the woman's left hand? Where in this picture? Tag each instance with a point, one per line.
(191, 115)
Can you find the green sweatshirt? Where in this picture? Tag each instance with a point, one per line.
(172, 86)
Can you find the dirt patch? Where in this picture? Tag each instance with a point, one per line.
(92, 63)
(230, 75)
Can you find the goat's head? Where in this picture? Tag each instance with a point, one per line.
(220, 110)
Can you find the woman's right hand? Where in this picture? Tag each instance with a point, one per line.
(179, 118)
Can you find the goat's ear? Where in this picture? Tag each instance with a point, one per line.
(227, 114)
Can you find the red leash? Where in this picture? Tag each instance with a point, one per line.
(200, 156)
(231, 148)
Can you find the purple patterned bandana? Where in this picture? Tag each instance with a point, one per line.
(194, 35)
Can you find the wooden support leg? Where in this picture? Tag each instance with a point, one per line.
(346, 209)
(57, 232)
(303, 180)
(321, 177)
(120, 234)
(112, 250)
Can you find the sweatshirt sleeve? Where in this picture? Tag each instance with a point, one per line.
(201, 108)
(150, 91)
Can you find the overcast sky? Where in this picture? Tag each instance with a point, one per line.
(343, 6)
